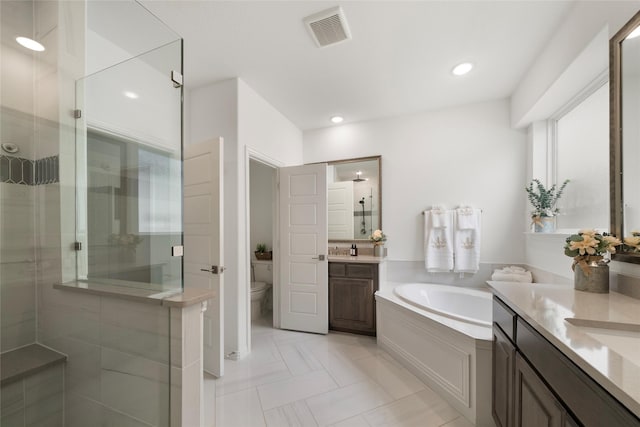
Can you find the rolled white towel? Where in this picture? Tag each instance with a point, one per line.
(506, 276)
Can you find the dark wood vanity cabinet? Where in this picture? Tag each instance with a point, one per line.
(534, 404)
(502, 385)
(535, 385)
(519, 396)
(351, 297)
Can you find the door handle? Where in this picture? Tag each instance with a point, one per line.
(319, 257)
(214, 269)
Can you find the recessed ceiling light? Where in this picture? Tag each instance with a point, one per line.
(131, 95)
(337, 119)
(462, 69)
(30, 44)
(635, 33)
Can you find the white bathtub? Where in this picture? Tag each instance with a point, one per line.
(443, 335)
(467, 305)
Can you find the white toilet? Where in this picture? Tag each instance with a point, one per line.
(262, 278)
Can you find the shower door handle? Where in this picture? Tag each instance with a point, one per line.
(214, 269)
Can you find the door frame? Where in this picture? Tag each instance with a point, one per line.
(253, 154)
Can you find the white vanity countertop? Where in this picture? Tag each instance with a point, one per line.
(363, 259)
(612, 360)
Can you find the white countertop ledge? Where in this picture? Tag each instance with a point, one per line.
(546, 306)
(362, 259)
(178, 298)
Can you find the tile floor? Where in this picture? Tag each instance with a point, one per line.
(342, 380)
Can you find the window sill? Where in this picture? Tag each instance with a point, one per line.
(555, 234)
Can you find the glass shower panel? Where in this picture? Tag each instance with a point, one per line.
(130, 172)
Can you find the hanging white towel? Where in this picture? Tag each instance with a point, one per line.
(439, 217)
(466, 218)
(438, 241)
(467, 240)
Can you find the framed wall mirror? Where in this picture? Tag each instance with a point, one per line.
(624, 49)
(354, 198)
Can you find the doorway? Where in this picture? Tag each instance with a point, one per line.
(262, 238)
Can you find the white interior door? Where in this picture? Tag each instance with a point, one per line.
(340, 209)
(203, 240)
(304, 294)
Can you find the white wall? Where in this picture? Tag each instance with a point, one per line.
(465, 155)
(265, 130)
(246, 121)
(579, 47)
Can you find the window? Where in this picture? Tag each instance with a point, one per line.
(582, 156)
(157, 187)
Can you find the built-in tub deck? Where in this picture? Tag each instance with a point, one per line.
(452, 356)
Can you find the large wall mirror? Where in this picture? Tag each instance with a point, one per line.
(354, 198)
(625, 135)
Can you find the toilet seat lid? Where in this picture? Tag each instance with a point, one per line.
(258, 286)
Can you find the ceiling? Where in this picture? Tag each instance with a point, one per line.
(397, 63)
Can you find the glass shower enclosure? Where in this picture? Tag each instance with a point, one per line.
(129, 158)
(93, 195)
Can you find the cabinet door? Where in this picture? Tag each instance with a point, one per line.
(535, 405)
(569, 421)
(502, 379)
(352, 305)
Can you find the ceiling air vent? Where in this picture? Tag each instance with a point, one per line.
(328, 27)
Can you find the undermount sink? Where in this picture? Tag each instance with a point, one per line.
(623, 338)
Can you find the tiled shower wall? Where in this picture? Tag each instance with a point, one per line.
(16, 170)
(17, 266)
(118, 369)
(30, 244)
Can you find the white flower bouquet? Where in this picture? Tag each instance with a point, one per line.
(378, 237)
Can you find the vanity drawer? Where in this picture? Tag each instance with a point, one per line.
(505, 318)
(337, 269)
(361, 271)
(353, 270)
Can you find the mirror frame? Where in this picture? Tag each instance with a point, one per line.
(615, 133)
(354, 160)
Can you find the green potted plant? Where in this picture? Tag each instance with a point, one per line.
(544, 202)
(261, 252)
